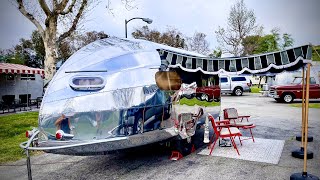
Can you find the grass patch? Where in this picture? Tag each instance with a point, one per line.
(195, 101)
(311, 105)
(255, 89)
(12, 133)
(315, 55)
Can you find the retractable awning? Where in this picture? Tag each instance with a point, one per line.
(274, 62)
(8, 68)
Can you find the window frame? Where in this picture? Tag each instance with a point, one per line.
(87, 87)
(224, 78)
(25, 77)
(11, 77)
(239, 77)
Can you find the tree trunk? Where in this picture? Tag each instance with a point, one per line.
(259, 81)
(51, 48)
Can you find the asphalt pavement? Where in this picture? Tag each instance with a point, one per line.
(273, 120)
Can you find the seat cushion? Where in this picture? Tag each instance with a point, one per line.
(231, 113)
(234, 131)
(241, 124)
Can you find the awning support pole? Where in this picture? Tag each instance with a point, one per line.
(299, 153)
(303, 106)
(304, 174)
(306, 120)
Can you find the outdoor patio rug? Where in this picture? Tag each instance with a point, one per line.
(262, 150)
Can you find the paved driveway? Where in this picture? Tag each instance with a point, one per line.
(273, 120)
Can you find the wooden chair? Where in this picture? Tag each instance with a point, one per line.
(222, 129)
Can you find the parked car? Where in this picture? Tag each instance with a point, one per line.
(287, 93)
(208, 93)
(235, 85)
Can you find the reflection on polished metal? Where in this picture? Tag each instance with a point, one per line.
(109, 99)
(147, 20)
(167, 80)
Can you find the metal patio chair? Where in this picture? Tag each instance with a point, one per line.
(222, 129)
(231, 114)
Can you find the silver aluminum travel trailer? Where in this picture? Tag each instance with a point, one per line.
(117, 79)
(108, 92)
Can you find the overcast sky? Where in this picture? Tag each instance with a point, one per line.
(299, 18)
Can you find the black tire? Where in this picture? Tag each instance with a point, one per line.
(137, 127)
(238, 91)
(287, 97)
(188, 96)
(217, 100)
(183, 147)
(278, 100)
(204, 97)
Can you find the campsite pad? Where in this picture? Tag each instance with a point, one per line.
(262, 150)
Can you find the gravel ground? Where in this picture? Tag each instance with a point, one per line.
(273, 120)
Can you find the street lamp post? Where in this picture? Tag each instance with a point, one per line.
(147, 20)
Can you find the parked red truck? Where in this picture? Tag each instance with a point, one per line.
(208, 93)
(287, 93)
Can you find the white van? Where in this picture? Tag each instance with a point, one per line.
(235, 85)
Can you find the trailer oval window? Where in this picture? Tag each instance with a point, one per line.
(87, 83)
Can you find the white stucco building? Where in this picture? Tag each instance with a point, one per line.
(16, 81)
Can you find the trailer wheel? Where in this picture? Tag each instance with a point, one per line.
(139, 126)
(183, 146)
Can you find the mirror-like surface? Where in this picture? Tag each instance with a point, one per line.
(107, 91)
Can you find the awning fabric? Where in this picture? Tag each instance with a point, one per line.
(274, 62)
(8, 68)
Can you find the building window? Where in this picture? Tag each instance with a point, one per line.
(10, 77)
(28, 77)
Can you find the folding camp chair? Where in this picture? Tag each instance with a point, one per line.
(223, 130)
(188, 122)
(231, 114)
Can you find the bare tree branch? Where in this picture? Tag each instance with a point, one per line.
(129, 4)
(62, 5)
(29, 16)
(75, 22)
(241, 22)
(45, 7)
(68, 10)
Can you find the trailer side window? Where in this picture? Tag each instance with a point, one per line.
(87, 83)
